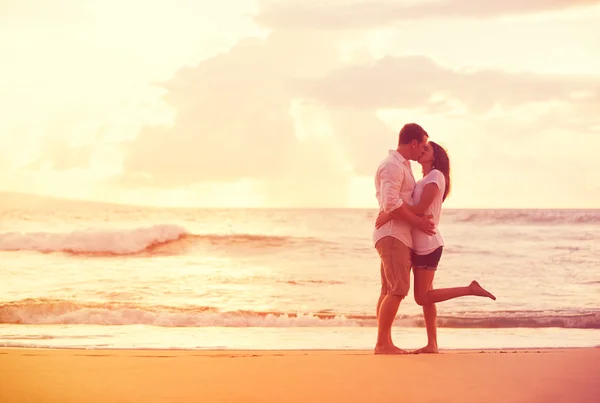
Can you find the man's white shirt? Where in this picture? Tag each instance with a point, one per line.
(394, 184)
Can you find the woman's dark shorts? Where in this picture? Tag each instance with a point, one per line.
(429, 261)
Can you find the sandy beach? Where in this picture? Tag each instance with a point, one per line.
(503, 376)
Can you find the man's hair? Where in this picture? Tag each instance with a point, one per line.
(410, 132)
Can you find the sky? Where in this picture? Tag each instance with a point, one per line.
(293, 103)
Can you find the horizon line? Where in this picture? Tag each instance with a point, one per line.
(57, 199)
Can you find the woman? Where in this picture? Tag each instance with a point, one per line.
(429, 194)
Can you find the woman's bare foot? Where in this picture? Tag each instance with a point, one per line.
(389, 349)
(479, 291)
(428, 349)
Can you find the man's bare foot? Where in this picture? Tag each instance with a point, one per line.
(389, 349)
(428, 349)
(479, 291)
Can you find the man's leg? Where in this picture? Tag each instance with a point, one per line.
(387, 314)
(381, 298)
(384, 288)
(382, 295)
(395, 280)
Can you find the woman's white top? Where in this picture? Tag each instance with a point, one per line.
(424, 244)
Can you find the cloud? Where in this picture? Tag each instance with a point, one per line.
(232, 120)
(417, 81)
(293, 118)
(235, 121)
(517, 116)
(63, 157)
(61, 11)
(346, 15)
(78, 77)
(362, 137)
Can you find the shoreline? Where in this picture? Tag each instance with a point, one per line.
(296, 350)
(282, 338)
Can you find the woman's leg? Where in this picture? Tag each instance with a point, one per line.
(424, 295)
(423, 284)
(427, 297)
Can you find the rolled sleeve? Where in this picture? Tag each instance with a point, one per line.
(391, 179)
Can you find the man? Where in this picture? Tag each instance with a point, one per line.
(395, 183)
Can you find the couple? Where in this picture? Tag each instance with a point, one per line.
(406, 234)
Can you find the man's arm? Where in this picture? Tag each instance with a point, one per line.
(390, 182)
(430, 191)
(424, 224)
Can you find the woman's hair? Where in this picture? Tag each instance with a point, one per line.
(441, 162)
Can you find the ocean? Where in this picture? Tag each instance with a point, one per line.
(82, 275)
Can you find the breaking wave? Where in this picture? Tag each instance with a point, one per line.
(158, 239)
(66, 312)
(517, 216)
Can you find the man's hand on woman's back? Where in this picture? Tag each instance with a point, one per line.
(423, 223)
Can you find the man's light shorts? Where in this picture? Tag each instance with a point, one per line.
(395, 266)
